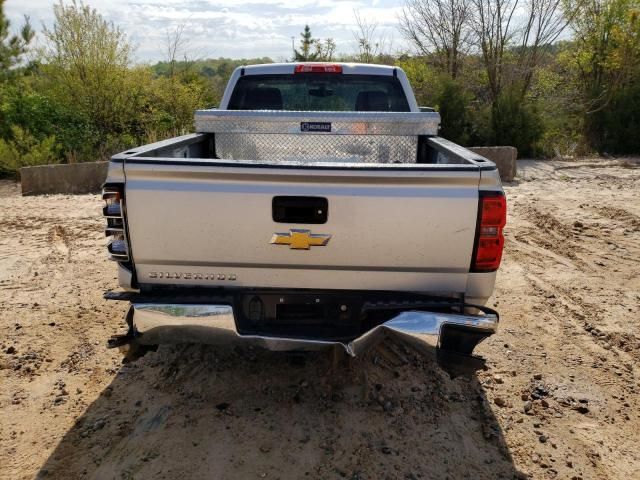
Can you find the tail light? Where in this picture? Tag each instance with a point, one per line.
(489, 242)
(317, 68)
(113, 212)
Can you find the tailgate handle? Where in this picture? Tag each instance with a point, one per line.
(288, 209)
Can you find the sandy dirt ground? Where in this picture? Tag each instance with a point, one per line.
(558, 398)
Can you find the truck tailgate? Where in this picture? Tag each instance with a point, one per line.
(204, 223)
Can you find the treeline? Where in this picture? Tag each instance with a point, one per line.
(499, 74)
(80, 98)
(495, 69)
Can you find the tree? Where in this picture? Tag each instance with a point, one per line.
(440, 29)
(307, 50)
(499, 33)
(607, 46)
(606, 61)
(86, 69)
(512, 35)
(369, 47)
(545, 22)
(325, 49)
(494, 29)
(175, 43)
(12, 47)
(314, 49)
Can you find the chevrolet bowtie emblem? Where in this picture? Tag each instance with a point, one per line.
(300, 239)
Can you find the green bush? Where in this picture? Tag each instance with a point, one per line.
(617, 126)
(424, 79)
(516, 122)
(558, 103)
(20, 105)
(25, 150)
(32, 108)
(453, 105)
(562, 136)
(479, 124)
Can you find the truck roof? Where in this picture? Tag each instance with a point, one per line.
(347, 68)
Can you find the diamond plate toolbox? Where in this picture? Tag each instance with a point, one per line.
(354, 137)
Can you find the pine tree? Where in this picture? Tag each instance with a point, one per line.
(307, 51)
(12, 47)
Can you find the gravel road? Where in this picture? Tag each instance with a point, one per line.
(558, 398)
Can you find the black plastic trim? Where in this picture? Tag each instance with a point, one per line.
(294, 209)
(188, 294)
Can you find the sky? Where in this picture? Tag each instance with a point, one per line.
(229, 28)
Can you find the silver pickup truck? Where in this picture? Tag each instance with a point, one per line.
(316, 207)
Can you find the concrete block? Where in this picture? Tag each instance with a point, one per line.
(71, 178)
(503, 157)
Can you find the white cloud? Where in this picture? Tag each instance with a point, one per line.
(229, 28)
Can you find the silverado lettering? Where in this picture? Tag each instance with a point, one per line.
(194, 276)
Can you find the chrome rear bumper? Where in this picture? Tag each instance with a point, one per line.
(154, 324)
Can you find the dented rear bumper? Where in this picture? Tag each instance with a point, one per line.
(154, 324)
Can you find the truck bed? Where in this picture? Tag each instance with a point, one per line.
(200, 148)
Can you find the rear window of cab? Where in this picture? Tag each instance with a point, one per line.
(319, 92)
